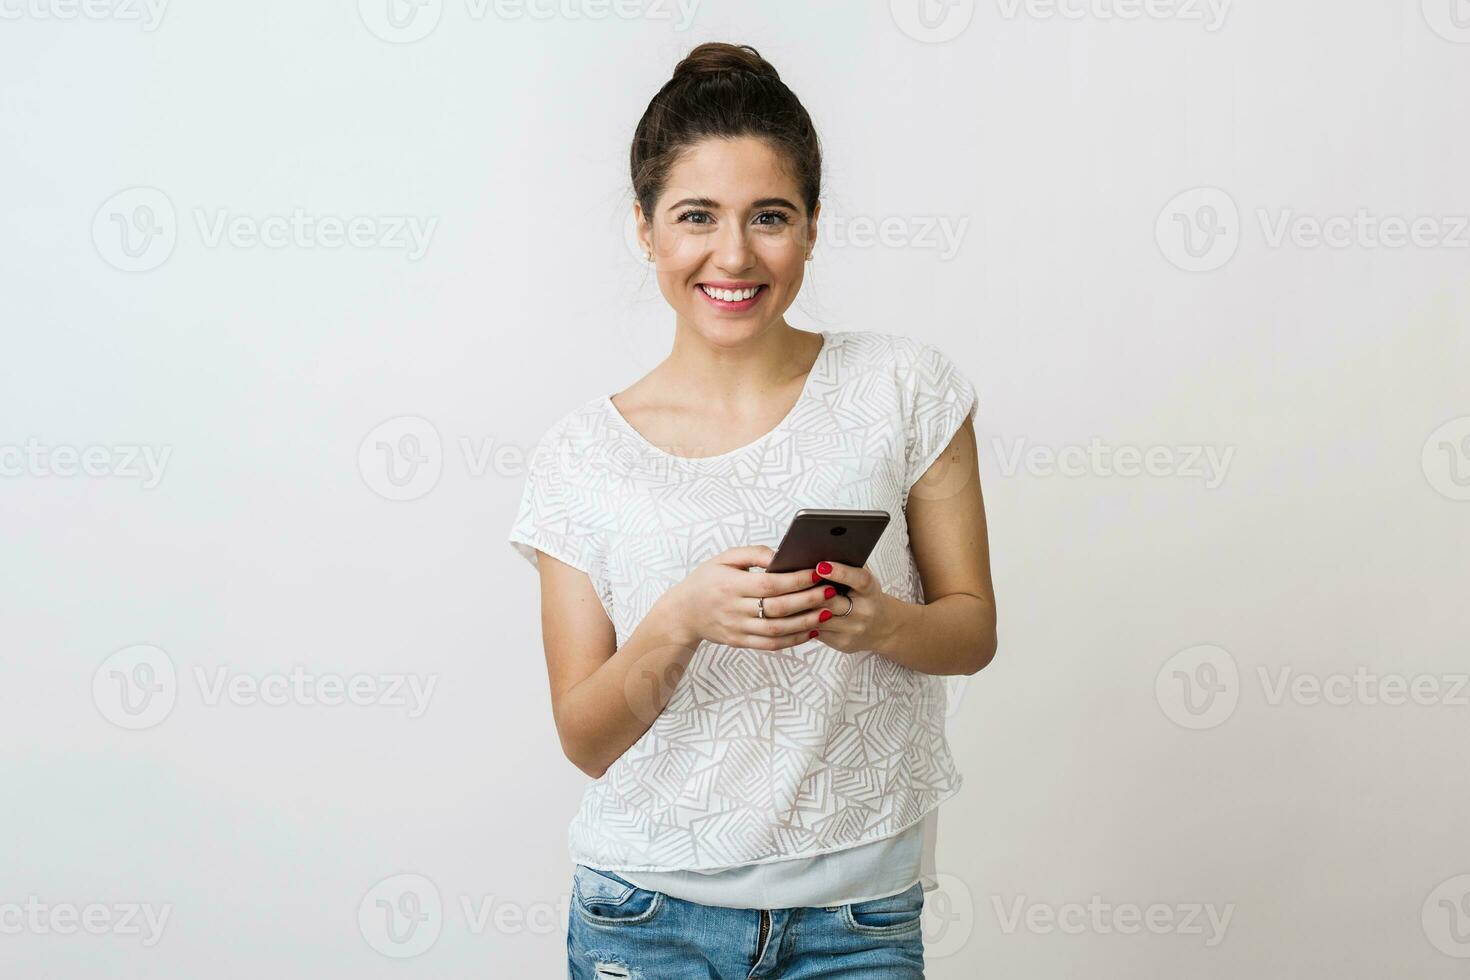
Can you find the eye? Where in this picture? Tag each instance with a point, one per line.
(782, 218)
(689, 215)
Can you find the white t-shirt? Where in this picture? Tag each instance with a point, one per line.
(758, 756)
(873, 870)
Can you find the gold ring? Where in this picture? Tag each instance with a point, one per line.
(760, 607)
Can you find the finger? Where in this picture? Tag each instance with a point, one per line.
(790, 625)
(791, 603)
(777, 583)
(748, 556)
(755, 642)
(856, 578)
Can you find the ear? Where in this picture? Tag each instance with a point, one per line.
(642, 228)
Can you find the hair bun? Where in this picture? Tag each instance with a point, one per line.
(715, 59)
(723, 91)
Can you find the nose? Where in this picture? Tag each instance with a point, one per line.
(732, 251)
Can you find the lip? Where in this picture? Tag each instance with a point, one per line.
(730, 283)
(737, 307)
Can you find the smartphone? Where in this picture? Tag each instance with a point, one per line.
(844, 536)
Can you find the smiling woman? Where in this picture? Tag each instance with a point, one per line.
(768, 758)
(734, 246)
(727, 171)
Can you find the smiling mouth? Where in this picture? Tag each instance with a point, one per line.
(732, 295)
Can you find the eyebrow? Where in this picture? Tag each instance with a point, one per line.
(705, 202)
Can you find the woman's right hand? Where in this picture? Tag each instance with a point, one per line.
(717, 602)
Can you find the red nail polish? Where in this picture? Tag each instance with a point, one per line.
(811, 635)
(816, 578)
(828, 592)
(826, 615)
(824, 568)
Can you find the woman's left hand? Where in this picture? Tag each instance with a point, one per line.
(871, 621)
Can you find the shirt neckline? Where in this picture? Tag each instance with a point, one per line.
(801, 398)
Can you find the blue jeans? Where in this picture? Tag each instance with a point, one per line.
(618, 931)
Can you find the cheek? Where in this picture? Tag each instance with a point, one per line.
(786, 261)
(792, 278)
(677, 293)
(682, 256)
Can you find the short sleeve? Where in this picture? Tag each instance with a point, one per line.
(554, 509)
(937, 400)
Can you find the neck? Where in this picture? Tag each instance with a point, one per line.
(741, 373)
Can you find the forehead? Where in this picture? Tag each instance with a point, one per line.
(731, 171)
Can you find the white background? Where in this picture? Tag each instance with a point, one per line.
(1335, 540)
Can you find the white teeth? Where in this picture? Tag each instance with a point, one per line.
(730, 295)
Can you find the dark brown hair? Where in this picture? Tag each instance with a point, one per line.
(723, 90)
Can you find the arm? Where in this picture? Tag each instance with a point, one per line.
(603, 699)
(953, 632)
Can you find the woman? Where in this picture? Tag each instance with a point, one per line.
(767, 756)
